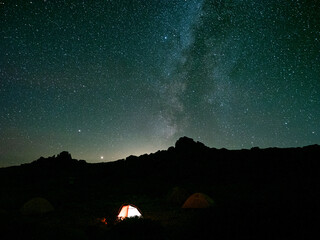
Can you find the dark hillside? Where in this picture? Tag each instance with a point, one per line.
(253, 190)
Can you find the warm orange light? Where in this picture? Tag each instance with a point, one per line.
(128, 211)
(104, 221)
(124, 212)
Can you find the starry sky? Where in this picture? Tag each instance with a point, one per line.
(108, 79)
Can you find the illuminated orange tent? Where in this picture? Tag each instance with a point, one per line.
(128, 211)
(198, 200)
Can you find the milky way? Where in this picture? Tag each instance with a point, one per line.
(115, 78)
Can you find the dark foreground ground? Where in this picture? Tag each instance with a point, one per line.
(257, 193)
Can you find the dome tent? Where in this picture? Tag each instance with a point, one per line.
(37, 206)
(198, 200)
(177, 196)
(128, 211)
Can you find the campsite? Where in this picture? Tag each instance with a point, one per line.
(188, 191)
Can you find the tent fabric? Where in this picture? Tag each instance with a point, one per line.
(37, 206)
(128, 211)
(198, 200)
(178, 196)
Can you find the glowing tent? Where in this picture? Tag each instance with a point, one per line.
(128, 211)
(198, 200)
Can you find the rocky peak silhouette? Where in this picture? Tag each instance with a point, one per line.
(62, 159)
(186, 144)
(64, 156)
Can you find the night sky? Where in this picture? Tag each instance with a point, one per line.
(115, 78)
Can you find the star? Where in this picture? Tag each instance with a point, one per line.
(146, 76)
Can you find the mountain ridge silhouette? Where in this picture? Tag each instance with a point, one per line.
(184, 146)
(254, 189)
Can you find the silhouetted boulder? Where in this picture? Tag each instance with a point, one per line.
(170, 149)
(187, 145)
(66, 156)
